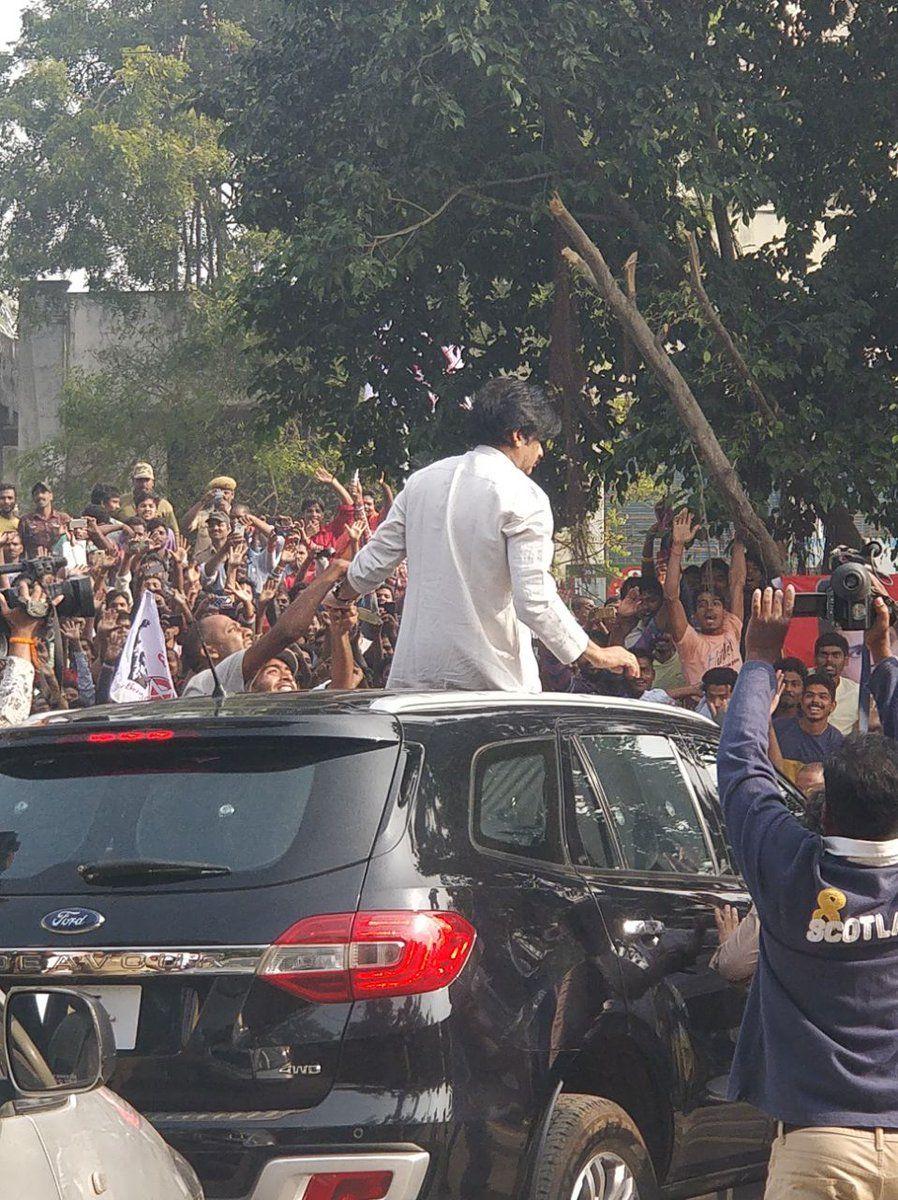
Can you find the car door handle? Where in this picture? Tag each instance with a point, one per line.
(633, 929)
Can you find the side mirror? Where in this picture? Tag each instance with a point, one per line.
(56, 1042)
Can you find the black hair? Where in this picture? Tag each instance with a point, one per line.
(110, 596)
(719, 677)
(708, 590)
(149, 496)
(650, 587)
(821, 679)
(192, 655)
(631, 582)
(506, 405)
(795, 665)
(832, 639)
(100, 493)
(155, 523)
(137, 519)
(862, 787)
(95, 511)
(312, 502)
(41, 486)
(8, 487)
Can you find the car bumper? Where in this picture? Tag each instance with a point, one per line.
(288, 1178)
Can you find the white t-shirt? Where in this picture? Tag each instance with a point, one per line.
(230, 673)
(844, 716)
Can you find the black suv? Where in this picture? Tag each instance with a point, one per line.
(410, 947)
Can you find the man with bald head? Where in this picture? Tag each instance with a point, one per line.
(237, 664)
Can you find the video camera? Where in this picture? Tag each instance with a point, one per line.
(846, 598)
(77, 593)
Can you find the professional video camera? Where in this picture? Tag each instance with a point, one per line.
(846, 598)
(77, 592)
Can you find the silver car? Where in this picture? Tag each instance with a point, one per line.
(63, 1136)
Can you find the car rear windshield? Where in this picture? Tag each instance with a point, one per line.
(263, 807)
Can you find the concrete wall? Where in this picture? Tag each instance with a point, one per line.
(60, 331)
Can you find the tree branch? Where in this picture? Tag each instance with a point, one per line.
(767, 409)
(466, 189)
(705, 440)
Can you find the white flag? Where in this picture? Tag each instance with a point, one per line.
(142, 672)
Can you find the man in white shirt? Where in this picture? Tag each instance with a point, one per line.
(831, 658)
(477, 533)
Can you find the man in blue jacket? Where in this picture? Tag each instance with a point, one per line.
(818, 1049)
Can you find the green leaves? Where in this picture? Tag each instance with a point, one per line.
(106, 164)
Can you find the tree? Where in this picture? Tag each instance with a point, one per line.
(404, 154)
(106, 165)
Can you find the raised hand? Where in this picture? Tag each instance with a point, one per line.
(269, 589)
(726, 918)
(72, 628)
(684, 528)
(629, 604)
(771, 612)
(323, 475)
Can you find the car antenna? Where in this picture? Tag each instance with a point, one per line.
(218, 692)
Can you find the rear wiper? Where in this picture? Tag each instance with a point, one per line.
(139, 870)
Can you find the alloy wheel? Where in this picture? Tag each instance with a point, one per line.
(605, 1177)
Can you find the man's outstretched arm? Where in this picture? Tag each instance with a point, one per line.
(884, 679)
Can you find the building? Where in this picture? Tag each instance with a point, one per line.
(59, 331)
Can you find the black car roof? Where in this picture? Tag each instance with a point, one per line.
(378, 713)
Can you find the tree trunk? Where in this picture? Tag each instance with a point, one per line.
(705, 440)
(567, 378)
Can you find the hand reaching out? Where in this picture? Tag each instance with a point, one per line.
(771, 612)
(726, 918)
(629, 604)
(684, 528)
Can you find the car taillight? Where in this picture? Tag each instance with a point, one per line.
(355, 1185)
(130, 735)
(369, 955)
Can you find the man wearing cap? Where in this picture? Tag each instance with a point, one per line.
(143, 481)
(218, 498)
(42, 528)
(213, 561)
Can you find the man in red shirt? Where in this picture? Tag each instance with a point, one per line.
(42, 528)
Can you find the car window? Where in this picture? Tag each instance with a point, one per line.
(590, 841)
(654, 815)
(266, 808)
(515, 799)
(700, 759)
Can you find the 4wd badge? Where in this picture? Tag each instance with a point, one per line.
(72, 920)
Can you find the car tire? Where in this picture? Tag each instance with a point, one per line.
(593, 1151)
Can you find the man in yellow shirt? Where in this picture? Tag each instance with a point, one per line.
(143, 482)
(9, 521)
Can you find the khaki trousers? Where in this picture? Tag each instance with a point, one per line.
(833, 1164)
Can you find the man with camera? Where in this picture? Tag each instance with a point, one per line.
(23, 631)
(819, 1039)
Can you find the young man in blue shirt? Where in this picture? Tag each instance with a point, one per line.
(818, 1048)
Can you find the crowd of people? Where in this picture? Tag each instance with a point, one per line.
(245, 594)
(232, 589)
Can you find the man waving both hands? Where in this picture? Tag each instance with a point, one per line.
(818, 1047)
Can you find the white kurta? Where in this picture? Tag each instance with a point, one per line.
(477, 533)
